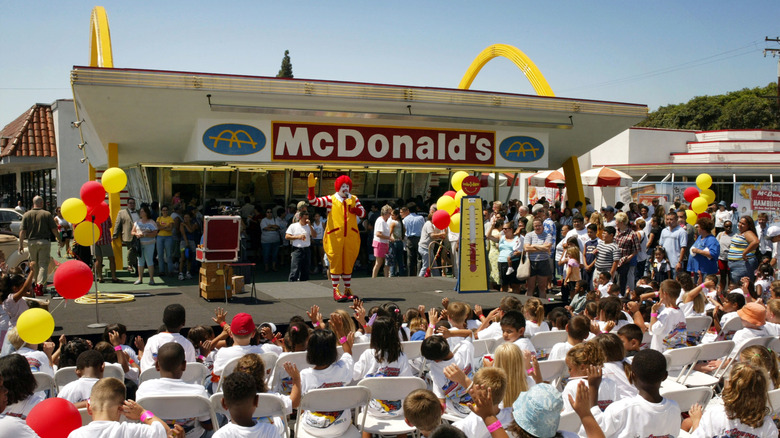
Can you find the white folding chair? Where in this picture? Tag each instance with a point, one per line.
(774, 402)
(268, 405)
(297, 358)
(483, 347)
(552, 370)
(85, 417)
(727, 330)
(774, 345)
(544, 342)
(680, 362)
(697, 326)
(412, 351)
(170, 407)
(269, 360)
(358, 349)
(713, 351)
(687, 397)
(63, 376)
(393, 389)
(331, 400)
(45, 382)
(570, 422)
(195, 372)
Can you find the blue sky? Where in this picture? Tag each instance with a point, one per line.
(654, 53)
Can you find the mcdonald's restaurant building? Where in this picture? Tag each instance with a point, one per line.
(225, 137)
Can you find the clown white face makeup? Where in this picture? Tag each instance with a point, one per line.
(344, 190)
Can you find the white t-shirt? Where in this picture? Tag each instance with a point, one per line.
(367, 366)
(616, 373)
(455, 395)
(296, 229)
(474, 427)
(155, 342)
(716, 423)
(259, 430)
(635, 416)
(604, 289)
(745, 334)
(381, 226)
(38, 360)
(268, 236)
(115, 429)
(669, 331)
(14, 308)
(166, 386)
(559, 350)
(78, 390)
(607, 392)
(618, 325)
(687, 309)
(226, 354)
(338, 374)
(22, 408)
(525, 344)
(15, 427)
(493, 331)
(532, 328)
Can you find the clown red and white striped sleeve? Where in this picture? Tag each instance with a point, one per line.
(361, 211)
(322, 201)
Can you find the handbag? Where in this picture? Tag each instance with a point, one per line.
(524, 268)
(135, 244)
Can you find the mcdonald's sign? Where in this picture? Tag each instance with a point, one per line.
(234, 139)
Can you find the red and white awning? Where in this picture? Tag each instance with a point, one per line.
(547, 178)
(605, 177)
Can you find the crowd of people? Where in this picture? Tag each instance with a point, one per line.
(629, 287)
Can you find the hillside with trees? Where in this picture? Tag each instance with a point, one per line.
(749, 108)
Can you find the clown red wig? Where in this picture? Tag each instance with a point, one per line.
(343, 179)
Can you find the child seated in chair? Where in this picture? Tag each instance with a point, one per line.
(89, 368)
(240, 399)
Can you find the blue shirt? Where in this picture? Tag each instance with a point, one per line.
(552, 230)
(700, 263)
(413, 224)
(673, 242)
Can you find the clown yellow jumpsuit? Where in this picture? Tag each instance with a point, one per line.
(341, 241)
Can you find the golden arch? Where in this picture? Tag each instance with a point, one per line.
(233, 139)
(513, 54)
(100, 53)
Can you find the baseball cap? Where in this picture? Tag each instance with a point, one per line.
(242, 325)
(753, 313)
(537, 208)
(609, 208)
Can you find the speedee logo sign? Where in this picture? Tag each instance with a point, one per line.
(310, 142)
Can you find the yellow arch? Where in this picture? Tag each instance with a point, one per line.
(100, 53)
(513, 54)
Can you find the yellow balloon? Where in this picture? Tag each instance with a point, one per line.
(691, 217)
(708, 195)
(86, 233)
(35, 326)
(114, 180)
(703, 181)
(459, 195)
(447, 204)
(74, 210)
(457, 179)
(699, 205)
(455, 223)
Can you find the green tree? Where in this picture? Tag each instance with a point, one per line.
(749, 108)
(286, 70)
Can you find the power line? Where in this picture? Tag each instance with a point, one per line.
(718, 57)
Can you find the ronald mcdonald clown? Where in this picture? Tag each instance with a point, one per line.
(342, 238)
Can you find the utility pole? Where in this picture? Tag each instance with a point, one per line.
(775, 52)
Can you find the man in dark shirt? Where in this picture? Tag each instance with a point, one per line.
(38, 226)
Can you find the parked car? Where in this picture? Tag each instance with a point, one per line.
(10, 220)
(9, 245)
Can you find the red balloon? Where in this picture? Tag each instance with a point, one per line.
(441, 219)
(54, 418)
(705, 214)
(690, 194)
(450, 193)
(92, 193)
(99, 211)
(457, 210)
(73, 279)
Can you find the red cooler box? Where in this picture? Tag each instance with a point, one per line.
(221, 239)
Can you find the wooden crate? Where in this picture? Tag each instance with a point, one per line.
(214, 268)
(238, 284)
(214, 294)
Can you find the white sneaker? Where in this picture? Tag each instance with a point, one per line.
(510, 270)
(189, 276)
(181, 276)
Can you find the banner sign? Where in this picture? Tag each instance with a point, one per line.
(472, 275)
(318, 143)
(755, 198)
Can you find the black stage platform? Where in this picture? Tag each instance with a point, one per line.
(277, 302)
